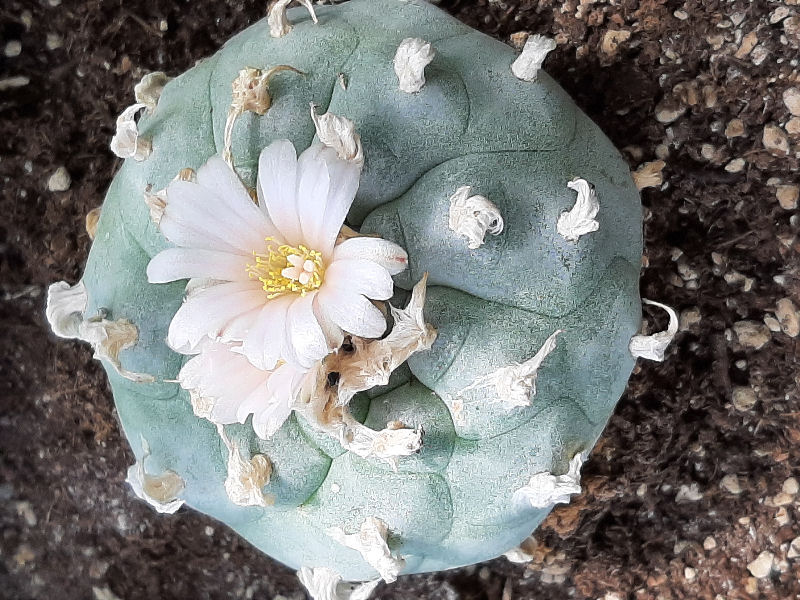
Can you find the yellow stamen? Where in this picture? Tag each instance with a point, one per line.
(285, 269)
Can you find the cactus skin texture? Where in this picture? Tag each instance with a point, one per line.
(473, 123)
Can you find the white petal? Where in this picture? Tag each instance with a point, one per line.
(313, 182)
(220, 179)
(207, 211)
(238, 328)
(333, 333)
(277, 180)
(303, 331)
(262, 347)
(173, 264)
(352, 312)
(345, 177)
(360, 277)
(387, 254)
(207, 311)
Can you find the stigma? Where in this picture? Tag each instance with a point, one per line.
(285, 269)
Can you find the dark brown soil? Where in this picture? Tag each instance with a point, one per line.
(655, 521)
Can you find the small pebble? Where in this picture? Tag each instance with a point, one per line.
(734, 128)
(782, 517)
(788, 317)
(759, 54)
(707, 151)
(612, 40)
(772, 323)
(748, 43)
(688, 493)
(681, 14)
(791, 98)
(689, 573)
(709, 543)
(54, 41)
(689, 318)
(794, 548)
(735, 166)
(779, 14)
(781, 499)
(787, 196)
(731, 484)
(13, 48)
(744, 398)
(59, 181)
(761, 567)
(775, 140)
(791, 486)
(752, 334)
(793, 126)
(667, 112)
(751, 586)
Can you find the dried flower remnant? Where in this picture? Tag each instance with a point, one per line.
(277, 20)
(148, 90)
(580, 220)
(515, 384)
(410, 60)
(127, 143)
(365, 364)
(246, 478)
(157, 201)
(529, 63)
(250, 94)
(159, 491)
(370, 542)
(65, 312)
(545, 489)
(653, 347)
(649, 175)
(473, 217)
(524, 553)
(323, 583)
(338, 133)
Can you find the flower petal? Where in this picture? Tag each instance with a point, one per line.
(237, 329)
(194, 206)
(361, 277)
(313, 183)
(207, 311)
(345, 177)
(173, 264)
(217, 177)
(352, 312)
(387, 254)
(303, 331)
(333, 333)
(277, 194)
(262, 346)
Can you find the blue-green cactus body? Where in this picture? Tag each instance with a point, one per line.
(473, 123)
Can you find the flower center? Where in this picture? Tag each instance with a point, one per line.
(287, 269)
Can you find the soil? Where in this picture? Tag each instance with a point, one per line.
(691, 481)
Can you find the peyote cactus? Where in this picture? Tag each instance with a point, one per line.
(445, 442)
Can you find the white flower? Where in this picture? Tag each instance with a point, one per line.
(226, 388)
(274, 278)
